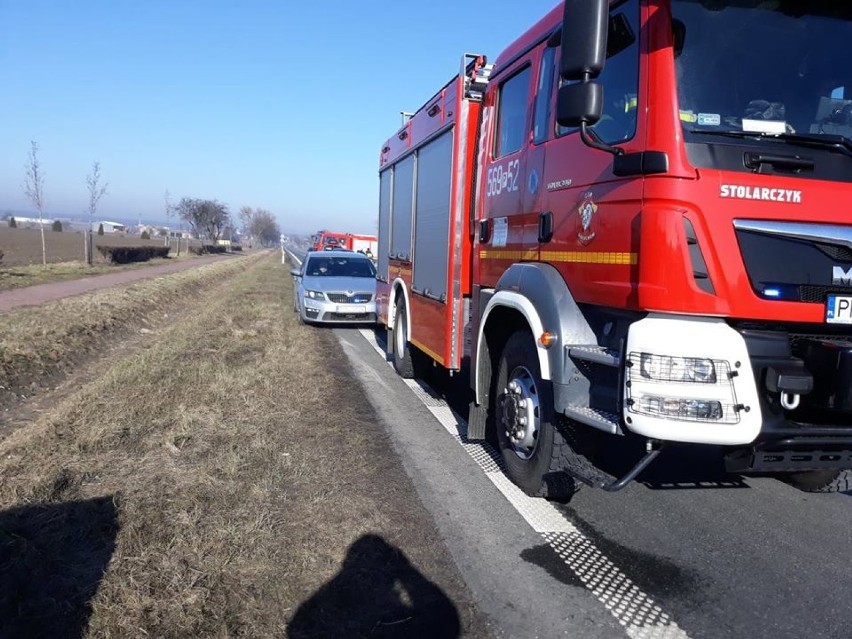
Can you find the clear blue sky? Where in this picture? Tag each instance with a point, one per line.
(264, 103)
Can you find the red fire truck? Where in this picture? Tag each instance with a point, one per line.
(327, 240)
(635, 226)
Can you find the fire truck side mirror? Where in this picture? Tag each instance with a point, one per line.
(584, 33)
(579, 103)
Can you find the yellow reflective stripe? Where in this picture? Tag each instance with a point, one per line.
(502, 254)
(428, 351)
(575, 257)
(589, 257)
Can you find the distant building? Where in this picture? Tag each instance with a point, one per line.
(153, 231)
(26, 222)
(109, 227)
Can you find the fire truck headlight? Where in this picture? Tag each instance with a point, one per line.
(685, 389)
(315, 295)
(663, 368)
(680, 408)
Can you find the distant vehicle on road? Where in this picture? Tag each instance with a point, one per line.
(328, 240)
(336, 287)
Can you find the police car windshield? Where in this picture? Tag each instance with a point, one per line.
(339, 267)
(764, 67)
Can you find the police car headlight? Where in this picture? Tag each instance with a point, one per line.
(315, 295)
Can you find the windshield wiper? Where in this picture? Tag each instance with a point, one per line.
(815, 140)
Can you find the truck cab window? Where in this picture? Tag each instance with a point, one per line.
(543, 95)
(799, 83)
(620, 77)
(512, 113)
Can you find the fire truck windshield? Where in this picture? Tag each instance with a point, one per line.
(770, 68)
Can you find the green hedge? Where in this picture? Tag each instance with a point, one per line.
(208, 248)
(127, 254)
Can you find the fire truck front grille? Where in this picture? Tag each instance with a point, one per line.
(839, 253)
(819, 294)
(355, 298)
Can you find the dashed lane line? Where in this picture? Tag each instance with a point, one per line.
(639, 615)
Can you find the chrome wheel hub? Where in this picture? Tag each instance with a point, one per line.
(519, 412)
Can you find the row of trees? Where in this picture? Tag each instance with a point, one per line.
(212, 220)
(34, 190)
(207, 218)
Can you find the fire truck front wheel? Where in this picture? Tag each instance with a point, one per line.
(821, 481)
(531, 445)
(400, 346)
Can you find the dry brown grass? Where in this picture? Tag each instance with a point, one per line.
(37, 342)
(222, 477)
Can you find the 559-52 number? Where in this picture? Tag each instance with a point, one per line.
(500, 178)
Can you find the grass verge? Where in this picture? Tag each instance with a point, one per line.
(229, 480)
(36, 343)
(21, 276)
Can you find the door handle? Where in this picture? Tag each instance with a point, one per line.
(545, 227)
(484, 231)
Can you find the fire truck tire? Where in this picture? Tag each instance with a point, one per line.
(532, 451)
(401, 350)
(821, 481)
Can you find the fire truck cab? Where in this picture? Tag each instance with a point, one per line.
(636, 230)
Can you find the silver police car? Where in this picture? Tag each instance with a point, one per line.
(336, 286)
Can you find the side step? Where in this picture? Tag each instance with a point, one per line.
(596, 354)
(600, 419)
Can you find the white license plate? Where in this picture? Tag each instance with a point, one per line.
(351, 310)
(838, 309)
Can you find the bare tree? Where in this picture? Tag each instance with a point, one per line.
(96, 191)
(169, 209)
(34, 189)
(167, 204)
(246, 213)
(264, 227)
(207, 218)
(259, 225)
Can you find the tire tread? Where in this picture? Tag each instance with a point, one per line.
(556, 484)
(840, 483)
(402, 362)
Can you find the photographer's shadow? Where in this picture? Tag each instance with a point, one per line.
(377, 593)
(52, 559)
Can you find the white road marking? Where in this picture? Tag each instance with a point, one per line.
(635, 610)
(292, 256)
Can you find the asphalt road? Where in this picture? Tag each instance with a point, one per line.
(686, 552)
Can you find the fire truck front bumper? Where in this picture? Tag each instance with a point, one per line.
(689, 380)
(805, 380)
(781, 402)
